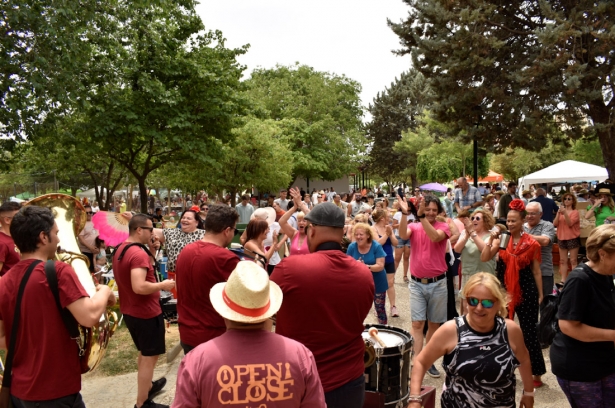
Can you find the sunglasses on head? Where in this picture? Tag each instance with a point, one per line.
(477, 218)
(487, 303)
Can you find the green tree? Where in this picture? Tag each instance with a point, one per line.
(449, 159)
(528, 65)
(516, 163)
(394, 111)
(323, 117)
(160, 90)
(410, 146)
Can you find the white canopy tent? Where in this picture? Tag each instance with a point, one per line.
(568, 171)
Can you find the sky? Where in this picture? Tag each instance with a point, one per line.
(348, 37)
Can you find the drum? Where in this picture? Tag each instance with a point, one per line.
(387, 369)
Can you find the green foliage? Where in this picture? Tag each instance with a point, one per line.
(320, 112)
(411, 145)
(530, 66)
(448, 160)
(394, 111)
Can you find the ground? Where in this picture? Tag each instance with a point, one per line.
(102, 391)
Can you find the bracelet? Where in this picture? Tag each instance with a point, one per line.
(404, 213)
(415, 398)
(528, 394)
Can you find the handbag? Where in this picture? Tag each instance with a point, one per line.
(5, 393)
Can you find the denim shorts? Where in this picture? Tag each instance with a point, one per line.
(402, 242)
(428, 301)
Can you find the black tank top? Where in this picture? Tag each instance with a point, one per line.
(480, 371)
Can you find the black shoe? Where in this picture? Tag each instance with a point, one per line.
(157, 386)
(151, 404)
(433, 372)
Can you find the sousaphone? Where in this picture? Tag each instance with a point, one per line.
(70, 217)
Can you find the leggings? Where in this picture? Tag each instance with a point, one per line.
(379, 300)
(527, 311)
(597, 394)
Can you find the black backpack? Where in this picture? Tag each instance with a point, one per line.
(547, 325)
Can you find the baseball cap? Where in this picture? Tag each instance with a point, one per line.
(328, 215)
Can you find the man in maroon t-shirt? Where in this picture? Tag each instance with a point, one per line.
(140, 304)
(46, 369)
(9, 255)
(200, 266)
(327, 295)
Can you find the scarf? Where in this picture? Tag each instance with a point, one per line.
(516, 259)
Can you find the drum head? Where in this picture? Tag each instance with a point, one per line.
(390, 338)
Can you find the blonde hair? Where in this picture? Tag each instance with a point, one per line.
(488, 219)
(300, 215)
(379, 214)
(360, 218)
(365, 228)
(492, 284)
(602, 237)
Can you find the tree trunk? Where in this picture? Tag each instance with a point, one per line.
(415, 182)
(233, 195)
(600, 116)
(143, 193)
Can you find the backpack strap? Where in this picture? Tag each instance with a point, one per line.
(67, 317)
(140, 245)
(8, 374)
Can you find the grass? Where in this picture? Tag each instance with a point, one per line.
(121, 355)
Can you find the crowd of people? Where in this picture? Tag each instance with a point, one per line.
(311, 269)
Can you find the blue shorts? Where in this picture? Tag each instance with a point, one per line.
(402, 242)
(428, 301)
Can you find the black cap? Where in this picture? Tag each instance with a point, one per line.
(327, 214)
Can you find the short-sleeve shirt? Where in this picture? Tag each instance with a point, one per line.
(549, 208)
(589, 298)
(427, 257)
(9, 254)
(131, 303)
(472, 196)
(330, 323)
(375, 251)
(545, 229)
(252, 368)
(565, 232)
(88, 234)
(46, 363)
(200, 266)
(175, 240)
(282, 203)
(602, 213)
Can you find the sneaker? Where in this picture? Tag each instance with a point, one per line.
(433, 372)
(151, 404)
(394, 312)
(157, 386)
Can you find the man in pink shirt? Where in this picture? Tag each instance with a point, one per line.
(248, 365)
(428, 293)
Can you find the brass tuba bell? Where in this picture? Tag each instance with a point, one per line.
(70, 217)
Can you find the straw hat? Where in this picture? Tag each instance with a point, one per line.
(248, 296)
(583, 191)
(265, 213)
(604, 191)
(525, 192)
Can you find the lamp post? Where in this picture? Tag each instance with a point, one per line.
(478, 116)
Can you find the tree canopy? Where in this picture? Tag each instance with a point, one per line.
(319, 111)
(517, 67)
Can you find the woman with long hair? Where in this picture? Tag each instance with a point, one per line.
(402, 250)
(518, 269)
(256, 233)
(470, 245)
(475, 377)
(367, 250)
(386, 238)
(568, 225)
(582, 353)
(298, 238)
(603, 208)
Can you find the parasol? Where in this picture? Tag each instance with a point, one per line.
(112, 227)
(434, 187)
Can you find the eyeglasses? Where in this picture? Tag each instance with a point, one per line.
(568, 198)
(235, 231)
(487, 303)
(204, 209)
(89, 212)
(477, 218)
(147, 228)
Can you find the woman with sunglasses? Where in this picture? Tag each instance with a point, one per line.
(518, 268)
(582, 353)
(603, 208)
(568, 225)
(481, 351)
(470, 245)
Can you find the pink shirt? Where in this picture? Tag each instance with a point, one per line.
(564, 232)
(427, 258)
(295, 249)
(249, 368)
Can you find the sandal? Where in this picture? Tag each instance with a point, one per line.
(538, 384)
(406, 279)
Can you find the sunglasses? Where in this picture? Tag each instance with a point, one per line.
(568, 198)
(89, 212)
(236, 232)
(487, 303)
(476, 218)
(147, 228)
(204, 209)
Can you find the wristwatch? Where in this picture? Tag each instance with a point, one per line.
(420, 216)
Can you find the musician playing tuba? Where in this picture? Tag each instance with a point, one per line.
(46, 370)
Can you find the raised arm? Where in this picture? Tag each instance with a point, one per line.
(403, 222)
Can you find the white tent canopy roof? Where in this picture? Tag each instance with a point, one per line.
(568, 171)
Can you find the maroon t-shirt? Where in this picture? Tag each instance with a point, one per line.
(9, 254)
(132, 304)
(327, 295)
(199, 267)
(46, 363)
